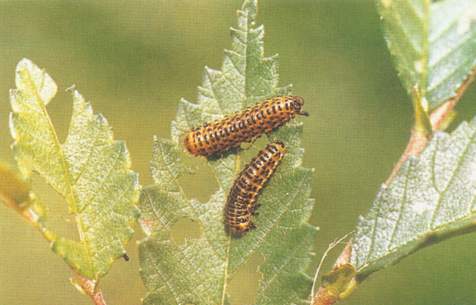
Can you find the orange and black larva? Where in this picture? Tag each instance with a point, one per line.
(222, 135)
(241, 202)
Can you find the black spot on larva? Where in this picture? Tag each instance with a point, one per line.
(241, 202)
(217, 137)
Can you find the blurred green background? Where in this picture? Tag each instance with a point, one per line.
(135, 59)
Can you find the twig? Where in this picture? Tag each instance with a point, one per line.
(416, 144)
(438, 119)
(323, 297)
(89, 287)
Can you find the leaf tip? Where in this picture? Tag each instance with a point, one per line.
(250, 7)
(34, 81)
(24, 63)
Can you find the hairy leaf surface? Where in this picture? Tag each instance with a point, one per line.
(431, 198)
(433, 43)
(197, 271)
(90, 170)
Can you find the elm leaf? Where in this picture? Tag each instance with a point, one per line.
(90, 170)
(433, 44)
(198, 270)
(432, 197)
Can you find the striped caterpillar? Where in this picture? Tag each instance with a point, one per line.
(246, 126)
(241, 202)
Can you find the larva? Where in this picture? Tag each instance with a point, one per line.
(229, 132)
(241, 202)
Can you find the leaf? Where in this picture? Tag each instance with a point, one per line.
(90, 170)
(433, 44)
(432, 197)
(197, 271)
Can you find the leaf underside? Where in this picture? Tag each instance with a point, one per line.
(431, 198)
(433, 44)
(197, 271)
(90, 170)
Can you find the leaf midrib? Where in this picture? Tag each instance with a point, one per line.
(237, 157)
(71, 196)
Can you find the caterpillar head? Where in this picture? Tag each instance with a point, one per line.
(297, 103)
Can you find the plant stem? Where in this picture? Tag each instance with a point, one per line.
(438, 118)
(416, 144)
(90, 289)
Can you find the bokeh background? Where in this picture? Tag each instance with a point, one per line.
(135, 59)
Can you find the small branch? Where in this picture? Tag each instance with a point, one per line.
(418, 141)
(420, 134)
(438, 119)
(324, 297)
(89, 287)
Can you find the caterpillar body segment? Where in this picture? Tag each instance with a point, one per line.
(222, 135)
(241, 203)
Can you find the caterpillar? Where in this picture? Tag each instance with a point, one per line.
(241, 203)
(246, 126)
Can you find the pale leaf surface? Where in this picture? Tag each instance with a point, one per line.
(90, 170)
(431, 198)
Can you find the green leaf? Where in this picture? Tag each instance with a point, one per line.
(433, 44)
(90, 170)
(431, 198)
(197, 271)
